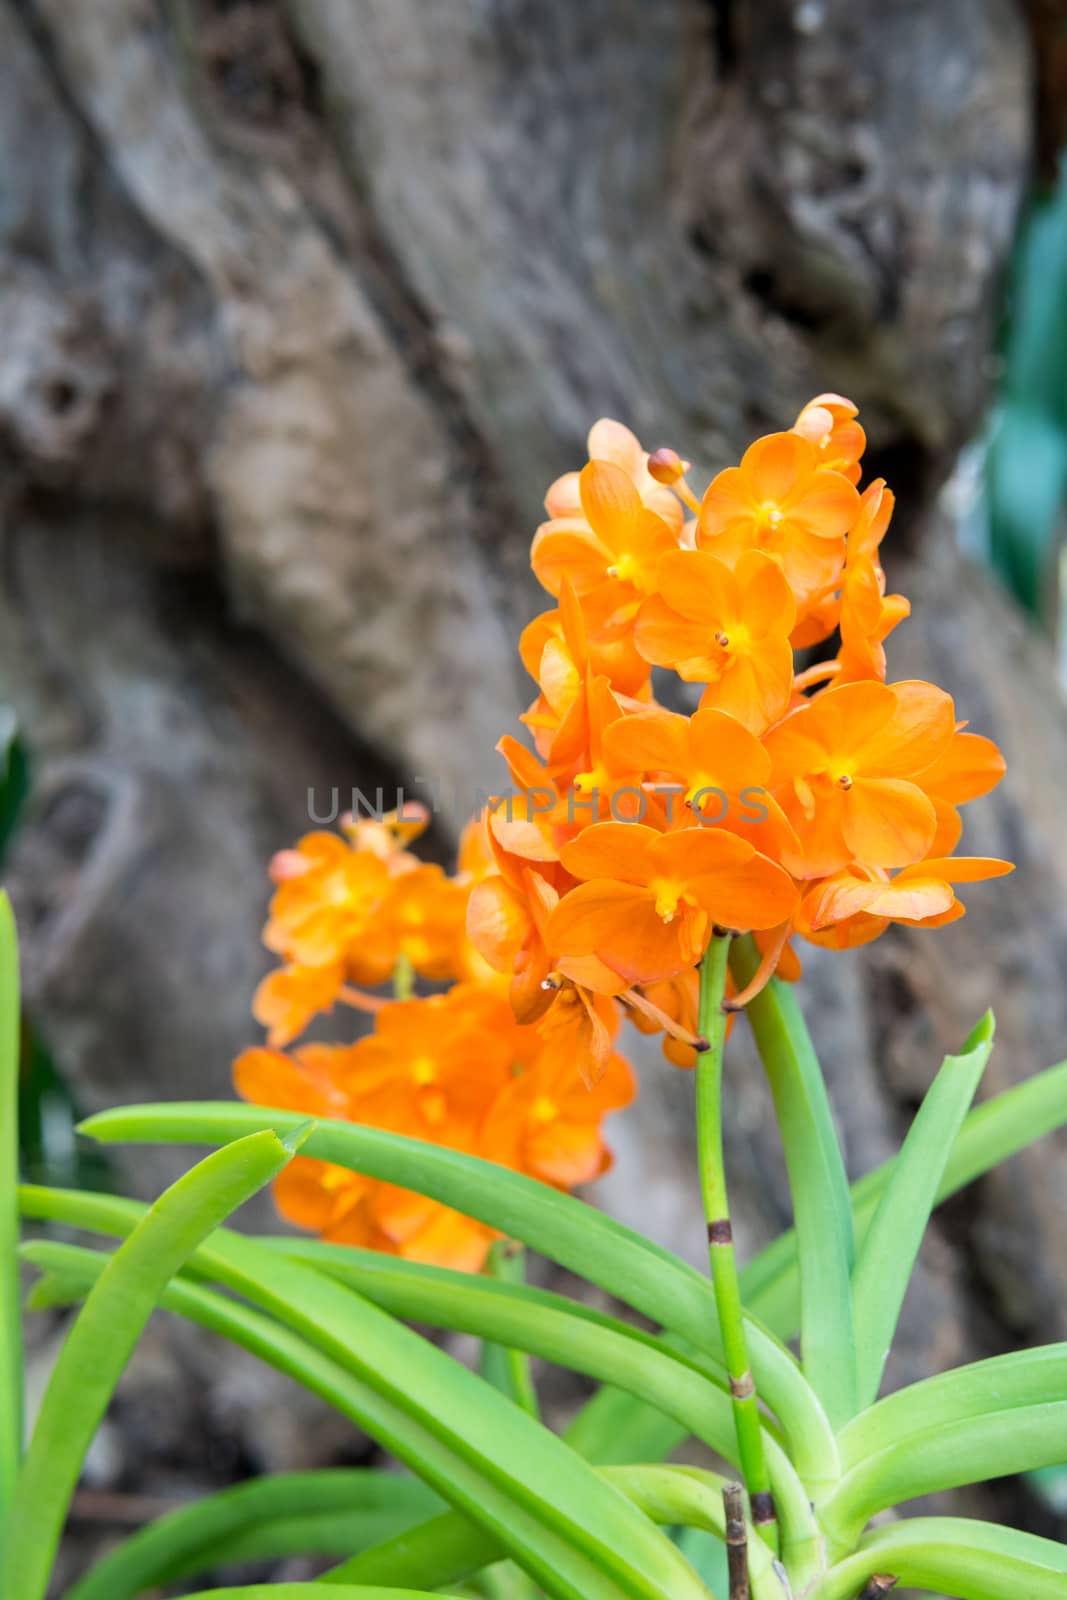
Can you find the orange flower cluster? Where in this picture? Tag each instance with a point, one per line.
(801, 797)
(796, 799)
(455, 1068)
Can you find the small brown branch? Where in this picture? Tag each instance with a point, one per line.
(879, 1585)
(733, 1497)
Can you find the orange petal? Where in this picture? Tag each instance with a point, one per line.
(618, 923)
(887, 822)
(959, 869)
(720, 745)
(917, 733)
(756, 895)
(774, 464)
(564, 551)
(648, 742)
(620, 850)
(498, 921)
(610, 501)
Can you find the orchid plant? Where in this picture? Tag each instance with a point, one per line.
(646, 866)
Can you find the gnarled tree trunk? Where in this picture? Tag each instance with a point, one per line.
(303, 305)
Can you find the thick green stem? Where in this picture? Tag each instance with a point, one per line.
(720, 1238)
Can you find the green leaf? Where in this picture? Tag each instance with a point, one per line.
(10, 1314)
(313, 1591)
(103, 1337)
(954, 1555)
(445, 1550)
(992, 1132)
(572, 1532)
(405, 1437)
(891, 1243)
(14, 777)
(266, 1517)
(506, 1368)
(603, 1251)
(971, 1450)
(1002, 1383)
(613, 1428)
(819, 1186)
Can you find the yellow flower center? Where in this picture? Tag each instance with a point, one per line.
(586, 782)
(424, 1069)
(625, 568)
(543, 1109)
(670, 894)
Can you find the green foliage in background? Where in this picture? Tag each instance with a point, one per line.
(1025, 468)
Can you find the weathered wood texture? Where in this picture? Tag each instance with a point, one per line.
(302, 307)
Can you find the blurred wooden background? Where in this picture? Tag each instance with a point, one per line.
(301, 308)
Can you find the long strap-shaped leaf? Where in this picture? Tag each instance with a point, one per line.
(595, 1345)
(692, 1390)
(1001, 1383)
(992, 1132)
(818, 1183)
(503, 1518)
(103, 1337)
(371, 1505)
(954, 1555)
(971, 1450)
(594, 1246)
(558, 1330)
(597, 1532)
(313, 1591)
(448, 1549)
(10, 1316)
(887, 1256)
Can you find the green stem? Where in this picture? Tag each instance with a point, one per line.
(720, 1238)
(403, 978)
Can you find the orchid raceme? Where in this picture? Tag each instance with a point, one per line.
(720, 768)
(808, 800)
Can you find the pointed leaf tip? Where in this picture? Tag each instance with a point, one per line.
(983, 1032)
(298, 1136)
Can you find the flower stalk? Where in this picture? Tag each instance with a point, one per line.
(733, 1498)
(723, 1261)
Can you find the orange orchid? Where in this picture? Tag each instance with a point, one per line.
(720, 771)
(287, 999)
(782, 501)
(853, 907)
(610, 555)
(327, 897)
(613, 442)
(558, 653)
(727, 628)
(847, 770)
(649, 901)
(867, 614)
(548, 1123)
(423, 918)
(829, 422)
(508, 918)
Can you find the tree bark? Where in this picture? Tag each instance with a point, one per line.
(305, 304)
